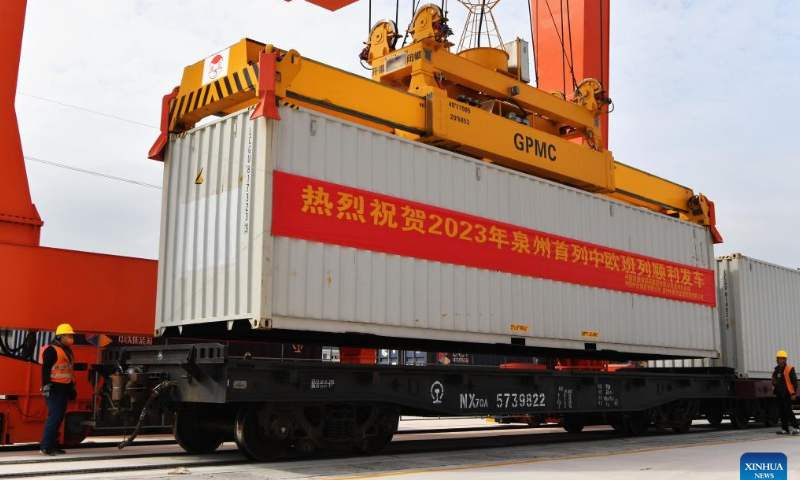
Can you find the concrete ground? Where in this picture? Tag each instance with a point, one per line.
(604, 460)
(458, 449)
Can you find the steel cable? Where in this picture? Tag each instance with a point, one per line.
(533, 44)
(571, 56)
(563, 48)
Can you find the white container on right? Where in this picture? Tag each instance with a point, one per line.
(759, 308)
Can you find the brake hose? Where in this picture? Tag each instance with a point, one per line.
(160, 388)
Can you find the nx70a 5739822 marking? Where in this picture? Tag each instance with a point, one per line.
(518, 400)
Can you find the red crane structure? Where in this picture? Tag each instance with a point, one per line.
(41, 287)
(571, 42)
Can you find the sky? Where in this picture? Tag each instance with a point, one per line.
(702, 94)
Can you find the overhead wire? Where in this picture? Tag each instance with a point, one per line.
(82, 170)
(533, 44)
(571, 57)
(480, 22)
(563, 48)
(121, 119)
(91, 172)
(414, 8)
(369, 34)
(610, 107)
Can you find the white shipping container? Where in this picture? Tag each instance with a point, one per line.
(680, 363)
(759, 307)
(219, 262)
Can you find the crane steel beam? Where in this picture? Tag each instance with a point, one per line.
(42, 287)
(19, 220)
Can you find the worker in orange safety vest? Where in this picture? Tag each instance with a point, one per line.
(58, 385)
(784, 379)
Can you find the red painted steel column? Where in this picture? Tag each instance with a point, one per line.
(584, 33)
(19, 220)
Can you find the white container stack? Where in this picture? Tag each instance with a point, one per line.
(220, 262)
(759, 307)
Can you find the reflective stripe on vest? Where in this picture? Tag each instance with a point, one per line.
(788, 378)
(62, 371)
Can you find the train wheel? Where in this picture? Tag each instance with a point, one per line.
(381, 433)
(768, 412)
(637, 423)
(532, 422)
(771, 414)
(573, 424)
(190, 436)
(740, 416)
(254, 441)
(714, 417)
(618, 424)
(683, 426)
(681, 414)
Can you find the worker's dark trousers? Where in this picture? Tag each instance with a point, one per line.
(56, 409)
(785, 409)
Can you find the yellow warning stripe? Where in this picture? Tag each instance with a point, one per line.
(291, 105)
(220, 89)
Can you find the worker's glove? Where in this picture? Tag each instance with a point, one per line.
(46, 391)
(73, 394)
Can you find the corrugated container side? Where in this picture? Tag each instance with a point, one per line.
(680, 363)
(213, 222)
(759, 307)
(309, 285)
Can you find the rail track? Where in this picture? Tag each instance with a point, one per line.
(141, 442)
(407, 442)
(29, 447)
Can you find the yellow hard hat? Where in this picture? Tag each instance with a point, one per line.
(65, 329)
(782, 354)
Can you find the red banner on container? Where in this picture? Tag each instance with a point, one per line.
(311, 209)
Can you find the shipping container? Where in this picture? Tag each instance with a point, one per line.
(680, 363)
(315, 224)
(400, 357)
(759, 307)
